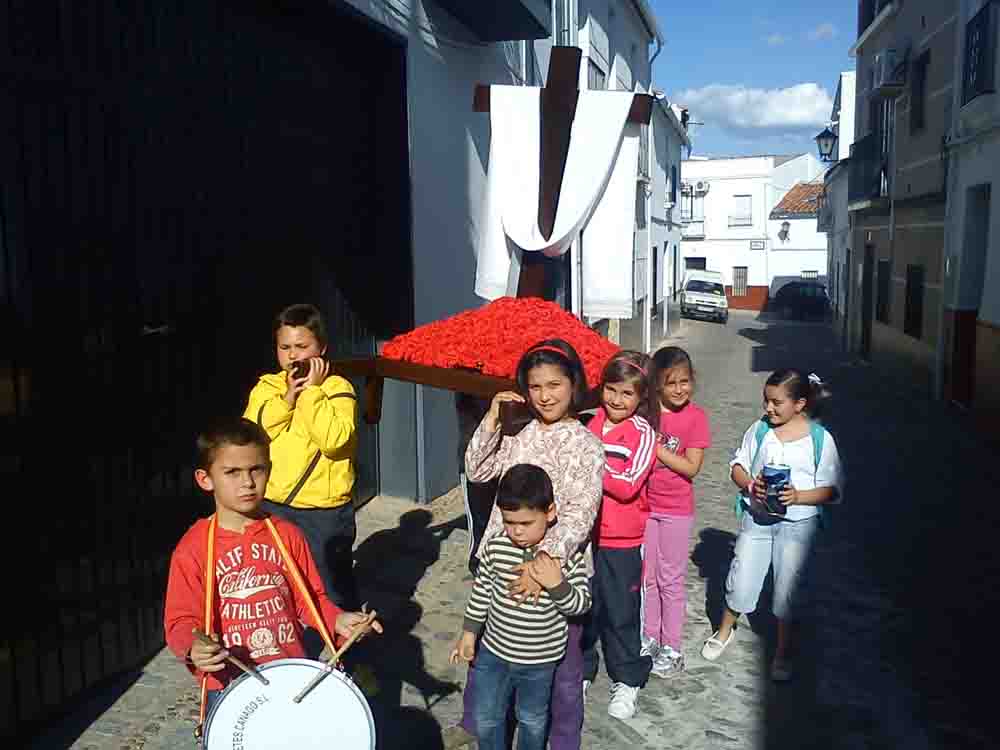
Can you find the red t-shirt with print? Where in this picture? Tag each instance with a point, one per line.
(258, 608)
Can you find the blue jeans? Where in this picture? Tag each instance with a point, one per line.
(496, 681)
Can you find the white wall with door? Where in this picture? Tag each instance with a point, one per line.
(449, 153)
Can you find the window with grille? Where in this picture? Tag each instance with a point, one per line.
(739, 281)
(741, 213)
(810, 274)
(980, 54)
(597, 80)
(692, 207)
(918, 92)
(913, 316)
(882, 292)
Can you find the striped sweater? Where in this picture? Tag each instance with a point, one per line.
(523, 633)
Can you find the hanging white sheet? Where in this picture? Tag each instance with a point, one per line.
(510, 221)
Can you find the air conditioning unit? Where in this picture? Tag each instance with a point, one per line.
(701, 187)
(889, 73)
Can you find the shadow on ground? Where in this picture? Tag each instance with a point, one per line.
(389, 565)
(899, 593)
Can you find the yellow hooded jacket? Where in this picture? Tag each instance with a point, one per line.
(315, 439)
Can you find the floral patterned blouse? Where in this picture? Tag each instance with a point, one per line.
(572, 456)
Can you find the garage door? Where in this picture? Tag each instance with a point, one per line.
(171, 174)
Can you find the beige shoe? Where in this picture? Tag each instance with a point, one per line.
(714, 648)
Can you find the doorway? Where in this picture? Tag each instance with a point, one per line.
(867, 301)
(972, 272)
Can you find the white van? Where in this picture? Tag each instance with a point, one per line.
(704, 295)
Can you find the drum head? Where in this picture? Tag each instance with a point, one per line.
(252, 716)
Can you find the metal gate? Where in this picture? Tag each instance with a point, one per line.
(739, 281)
(170, 176)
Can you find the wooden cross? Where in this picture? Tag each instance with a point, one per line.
(558, 109)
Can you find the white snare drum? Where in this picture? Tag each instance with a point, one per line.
(253, 716)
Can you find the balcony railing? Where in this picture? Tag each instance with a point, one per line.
(869, 170)
(980, 54)
(694, 230)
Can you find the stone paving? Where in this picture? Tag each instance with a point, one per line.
(871, 673)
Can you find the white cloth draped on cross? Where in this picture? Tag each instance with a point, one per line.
(597, 197)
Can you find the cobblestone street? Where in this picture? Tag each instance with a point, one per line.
(905, 566)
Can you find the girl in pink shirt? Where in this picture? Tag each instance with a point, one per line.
(683, 437)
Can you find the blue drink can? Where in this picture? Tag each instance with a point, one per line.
(776, 477)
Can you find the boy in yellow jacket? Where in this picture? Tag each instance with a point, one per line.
(310, 418)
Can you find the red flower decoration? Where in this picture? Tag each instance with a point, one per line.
(492, 339)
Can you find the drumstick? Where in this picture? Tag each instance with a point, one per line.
(360, 629)
(232, 659)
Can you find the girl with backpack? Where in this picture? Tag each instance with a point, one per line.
(777, 531)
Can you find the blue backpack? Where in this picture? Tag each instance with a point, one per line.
(818, 435)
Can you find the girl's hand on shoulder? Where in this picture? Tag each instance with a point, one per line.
(546, 570)
(789, 496)
(525, 587)
(492, 418)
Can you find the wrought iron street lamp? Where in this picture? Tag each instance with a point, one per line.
(825, 142)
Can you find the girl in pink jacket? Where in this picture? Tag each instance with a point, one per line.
(622, 424)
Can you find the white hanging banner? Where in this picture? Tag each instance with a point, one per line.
(510, 218)
(608, 244)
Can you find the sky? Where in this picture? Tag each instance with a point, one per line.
(760, 74)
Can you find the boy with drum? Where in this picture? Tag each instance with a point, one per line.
(245, 579)
(522, 641)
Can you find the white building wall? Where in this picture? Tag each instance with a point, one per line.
(449, 152)
(838, 239)
(613, 35)
(726, 247)
(805, 250)
(973, 283)
(845, 126)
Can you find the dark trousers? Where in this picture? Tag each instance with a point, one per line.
(330, 533)
(615, 617)
(478, 507)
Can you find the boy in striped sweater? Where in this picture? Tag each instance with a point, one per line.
(522, 641)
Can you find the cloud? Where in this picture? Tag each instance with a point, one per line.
(751, 111)
(774, 40)
(823, 31)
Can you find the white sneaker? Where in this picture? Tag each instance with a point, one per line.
(668, 662)
(623, 697)
(650, 647)
(586, 687)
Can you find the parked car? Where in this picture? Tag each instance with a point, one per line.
(802, 299)
(703, 295)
